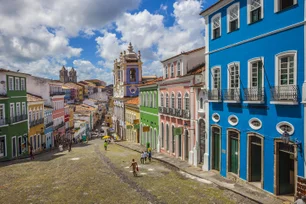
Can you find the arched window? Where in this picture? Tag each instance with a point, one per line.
(151, 100)
(172, 70)
(167, 137)
(132, 75)
(179, 101)
(166, 72)
(155, 99)
(178, 69)
(145, 99)
(186, 97)
(172, 100)
(161, 100)
(173, 140)
(201, 103)
(167, 100)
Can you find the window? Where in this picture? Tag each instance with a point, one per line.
(30, 116)
(216, 26)
(17, 85)
(286, 70)
(215, 117)
(162, 134)
(132, 75)
(14, 147)
(18, 111)
(153, 100)
(172, 100)
(12, 111)
(24, 108)
(234, 76)
(256, 73)
(216, 78)
(172, 70)
(2, 114)
(11, 83)
(285, 126)
(2, 146)
(179, 101)
(255, 10)
(186, 101)
(161, 100)
(233, 17)
(178, 69)
(22, 84)
(255, 123)
(233, 120)
(283, 4)
(201, 103)
(167, 100)
(166, 72)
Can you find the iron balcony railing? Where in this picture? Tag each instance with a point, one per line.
(166, 110)
(18, 118)
(179, 113)
(172, 111)
(254, 94)
(160, 109)
(56, 93)
(186, 114)
(59, 126)
(285, 93)
(232, 94)
(49, 124)
(3, 121)
(36, 122)
(214, 95)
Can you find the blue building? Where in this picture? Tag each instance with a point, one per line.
(48, 127)
(67, 91)
(255, 51)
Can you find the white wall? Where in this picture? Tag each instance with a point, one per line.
(39, 86)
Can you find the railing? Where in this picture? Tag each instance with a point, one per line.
(179, 113)
(49, 124)
(56, 93)
(160, 109)
(232, 94)
(285, 93)
(186, 114)
(3, 121)
(214, 94)
(172, 111)
(59, 126)
(254, 94)
(18, 118)
(36, 122)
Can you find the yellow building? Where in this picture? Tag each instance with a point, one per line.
(71, 118)
(36, 135)
(80, 96)
(132, 117)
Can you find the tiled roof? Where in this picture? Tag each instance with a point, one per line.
(133, 101)
(73, 85)
(152, 82)
(199, 84)
(185, 53)
(7, 70)
(196, 70)
(34, 98)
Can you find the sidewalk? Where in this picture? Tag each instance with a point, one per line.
(242, 188)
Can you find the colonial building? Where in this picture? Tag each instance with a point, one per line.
(177, 105)
(132, 117)
(13, 115)
(48, 130)
(149, 114)
(255, 59)
(66, 77)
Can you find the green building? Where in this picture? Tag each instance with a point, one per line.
(13, 115)
(149, 120)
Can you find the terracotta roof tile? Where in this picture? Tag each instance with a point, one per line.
(152, 82)
(133, 101)
(34, 98)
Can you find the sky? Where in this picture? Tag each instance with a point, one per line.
(39, 37)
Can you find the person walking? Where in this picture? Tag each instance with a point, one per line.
(135, 167)
(31, 153)
(105, 145)
(145, 154)
(150, 154)
(142, 157)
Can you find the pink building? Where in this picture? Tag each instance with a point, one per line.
(178, 105)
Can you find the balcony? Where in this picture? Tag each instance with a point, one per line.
(59, 126)
(36, 122)
(18, 118)
(3, 121)
(57, 93)
(286, 95)
(214, 95)
(172, 111)
(161, 109)
(49, 124)
(231, 95)
(179, 113)
(186, 114)
(254, 95)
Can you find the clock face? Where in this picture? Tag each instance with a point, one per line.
(133, 89)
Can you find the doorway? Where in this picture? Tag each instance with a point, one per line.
(255, 159)
(186, 145)
(179, 137)
(14, 149)
(202, 140)
(215, 143)
(233, 151)
(286, 166)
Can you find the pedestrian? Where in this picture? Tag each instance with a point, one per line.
(150, 155)
(31, 153)
(142, 157)
(145, 155)
(70, 144)
(302, 200)
(135, 167)
(105, 145)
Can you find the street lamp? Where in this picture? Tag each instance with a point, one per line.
(286, 139)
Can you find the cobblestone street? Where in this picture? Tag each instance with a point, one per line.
(89, 174)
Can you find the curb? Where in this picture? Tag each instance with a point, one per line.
(229, 189)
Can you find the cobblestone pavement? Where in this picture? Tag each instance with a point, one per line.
(89, 174)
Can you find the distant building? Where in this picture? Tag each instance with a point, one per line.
(66, 77)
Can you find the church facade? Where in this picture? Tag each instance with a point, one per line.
(66, 77)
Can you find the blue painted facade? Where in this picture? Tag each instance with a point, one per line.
(67, 96)
(265, 48)
(48, 128)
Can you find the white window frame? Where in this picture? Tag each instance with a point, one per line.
(250, 62)
(255, 127)
(18, 104)
(277, 64)
(228, 16)
(172, 100)
(212, 77)
(17, 83)
(11, 88)
(5, 143)
(3, 108)
(172, 75)
(15, 146)
(278, 125)
(232, 123)
(166, 72)
(249, 10)
(22, 84)
(179, 96)
(12, 115)
(162, 100)
(178, 69)
(186, 94)
(167, 100)
(277, 5)
(229, 77)
(218, 15)
(24, 109)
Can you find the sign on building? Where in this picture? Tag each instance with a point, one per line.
(146, 129)
(178, 131)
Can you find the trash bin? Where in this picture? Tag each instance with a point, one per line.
(60, 148)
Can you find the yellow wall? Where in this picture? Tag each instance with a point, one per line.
(130, 115)
(80, 95)
(36, 130)
(71, 118)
